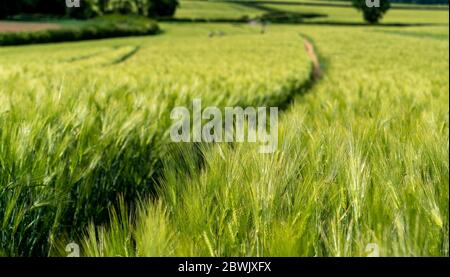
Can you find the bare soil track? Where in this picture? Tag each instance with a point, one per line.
(317, 71)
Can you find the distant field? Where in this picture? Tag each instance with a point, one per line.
(85, 152)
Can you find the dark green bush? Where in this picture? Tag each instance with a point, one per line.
(372, 14)
(88, 8)
(93, 29)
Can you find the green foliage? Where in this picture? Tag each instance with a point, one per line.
(372, 14)
(103, 27)
(64, 162)
(89, 8)
(162, 8)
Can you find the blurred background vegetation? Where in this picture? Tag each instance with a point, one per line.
(89, 8)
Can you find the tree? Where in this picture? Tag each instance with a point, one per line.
(373, 10)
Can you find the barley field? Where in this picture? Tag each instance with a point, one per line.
(85, 152)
